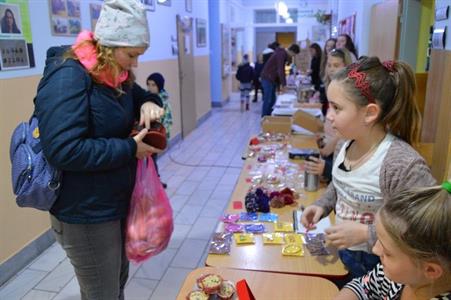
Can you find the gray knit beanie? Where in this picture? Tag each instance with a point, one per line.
(122, 23)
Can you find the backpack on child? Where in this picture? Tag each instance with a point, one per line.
(35, 182)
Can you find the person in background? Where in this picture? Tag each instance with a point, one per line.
(267, 52)
(9, 22)
(315, 65)
(87, 103)
(345, 41)
(328, 46)
(273, 73)
(257, 71)
(155, 85)
(372, 107)
(414, 246)
(245, 75)
(337, 60)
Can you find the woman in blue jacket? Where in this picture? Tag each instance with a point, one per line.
(87, 104)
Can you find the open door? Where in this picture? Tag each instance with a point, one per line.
(385, 30)
(186, 74)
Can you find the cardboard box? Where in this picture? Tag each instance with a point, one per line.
(308, 121)
(276, 124)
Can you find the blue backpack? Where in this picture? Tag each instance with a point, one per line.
(35, 182)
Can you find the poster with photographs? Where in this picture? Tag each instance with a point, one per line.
(65, 17)
(201, 33)
(149, 4)
(14, 54)
(347, 26)
(16, 44)
(94, 13)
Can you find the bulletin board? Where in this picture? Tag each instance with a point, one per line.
(16, 44)
(347, 26)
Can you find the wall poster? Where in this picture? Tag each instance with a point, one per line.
(347, 26)
(65, 17)
(225, 53)
(201, 33)
(94, 13)
(16, 44)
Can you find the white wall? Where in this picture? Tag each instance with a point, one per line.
(440, 4)
(162, 24)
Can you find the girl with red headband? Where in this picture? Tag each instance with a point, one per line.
(372, 106)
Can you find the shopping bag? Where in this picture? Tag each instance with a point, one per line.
(149, 220)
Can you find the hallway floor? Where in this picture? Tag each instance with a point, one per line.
(201, 172)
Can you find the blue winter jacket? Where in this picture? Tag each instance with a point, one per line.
(84, 129)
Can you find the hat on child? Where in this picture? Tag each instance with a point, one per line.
(122, 23)
(158, 79)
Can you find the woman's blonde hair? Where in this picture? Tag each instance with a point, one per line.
(105, 61)
(419, 222)
(344, 55)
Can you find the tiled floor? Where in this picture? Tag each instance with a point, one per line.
(201, 172)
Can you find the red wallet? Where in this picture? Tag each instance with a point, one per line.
(155, 137)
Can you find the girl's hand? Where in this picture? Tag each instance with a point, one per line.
(142, 149)
(150, 112)
(311, 215)
(347, 234)
(315, 165)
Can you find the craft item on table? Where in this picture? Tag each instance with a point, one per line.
(221, 236)
(268, 217)
(210, 283)
(282, 198)
(293, 238)
(255, 228)
(237, 204)
(254, 141)
(219, 247)
(316, 244)
(261, 158)
(272, 179)
(243, 290)
(230, 218)
(248, 216)
(257, 201)
(197, 295)
(244, 238)
(226, 290)
(275, 238)
(283, 227)
(255, 180)
(302, 153)
(293, 250)
(233, 227)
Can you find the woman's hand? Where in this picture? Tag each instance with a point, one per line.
(142, 149)
(347, 234)
(150, 112)
(311, 215)
(315, 165)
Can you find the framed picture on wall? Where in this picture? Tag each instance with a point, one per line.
(94, 13)
(189, 5)
(149, 4)
(11, 19)
(65, 17)
(201, 33)
(164, 2)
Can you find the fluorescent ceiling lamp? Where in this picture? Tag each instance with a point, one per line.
(281, 8)
(289, 20)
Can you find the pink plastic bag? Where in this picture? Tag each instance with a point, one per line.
(149, 221)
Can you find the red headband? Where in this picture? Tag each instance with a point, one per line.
(389, 65)
(360, 82)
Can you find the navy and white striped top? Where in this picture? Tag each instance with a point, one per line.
(375, 286)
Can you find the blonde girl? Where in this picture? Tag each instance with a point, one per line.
(372, 106)
(414, 245)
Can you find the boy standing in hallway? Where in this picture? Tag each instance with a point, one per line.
(245, 75)
(155, 85)
(273, 73)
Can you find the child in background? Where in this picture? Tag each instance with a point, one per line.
(372, 106)
(414, 245)
(245, 75)
(337, 60)
(155, 85)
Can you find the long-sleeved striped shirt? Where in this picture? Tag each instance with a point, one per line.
(376, 286)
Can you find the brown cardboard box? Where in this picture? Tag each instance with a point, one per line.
(307, 121)
(276, 124)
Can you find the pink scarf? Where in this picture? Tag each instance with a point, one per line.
(87, 56)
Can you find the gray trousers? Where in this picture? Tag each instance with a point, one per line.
(97, 253)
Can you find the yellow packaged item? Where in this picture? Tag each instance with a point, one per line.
(293, 250)
(244, 238)
(293, 238)
(283, 227)
(275, 238)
